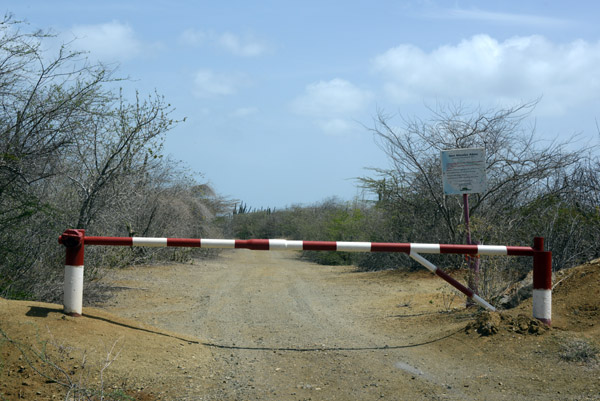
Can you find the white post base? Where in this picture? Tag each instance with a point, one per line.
(542, 305)
(73, 291)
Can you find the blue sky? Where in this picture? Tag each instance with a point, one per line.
(279, 95)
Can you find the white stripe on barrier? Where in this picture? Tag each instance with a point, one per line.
(148, 241)
(278, 244)
(284, 245)
(425, 248)
(294, 245)
(353, 246)
(217, 243)
(492, 250)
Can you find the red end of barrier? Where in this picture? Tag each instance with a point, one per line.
(73, 240)
(542, 271)
(542, 266)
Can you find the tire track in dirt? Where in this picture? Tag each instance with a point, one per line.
(272, 327)
(278, 328)
(286, 329)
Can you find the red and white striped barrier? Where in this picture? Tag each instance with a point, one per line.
(340, 246)
(74, 242)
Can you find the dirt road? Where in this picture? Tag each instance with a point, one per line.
(282, 329)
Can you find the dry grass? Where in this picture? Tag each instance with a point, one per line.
(579, 350)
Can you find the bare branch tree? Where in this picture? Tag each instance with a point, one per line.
(519, 167)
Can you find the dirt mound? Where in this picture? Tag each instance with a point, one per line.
(44, 354)
(575, 306)
(490, 323)
(576, 298)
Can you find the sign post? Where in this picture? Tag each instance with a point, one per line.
(463, 173)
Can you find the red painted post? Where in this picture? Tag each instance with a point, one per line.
(73, 241)
(473, 261)
(542, 282)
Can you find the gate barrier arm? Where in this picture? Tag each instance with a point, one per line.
(74, 241)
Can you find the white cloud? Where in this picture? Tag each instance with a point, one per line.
(244, 112)
(193, 37)
(112, 41)
(246, 46)
(331, 98)
(243, 46)
(333, 104)
(482, 68)
(505, 18)
(208, 83)
(336, 126)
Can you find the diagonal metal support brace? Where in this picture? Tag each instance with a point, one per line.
(467, 291)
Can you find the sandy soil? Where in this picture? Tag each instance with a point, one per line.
(265, 326)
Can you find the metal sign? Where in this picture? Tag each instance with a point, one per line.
(463, 171)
